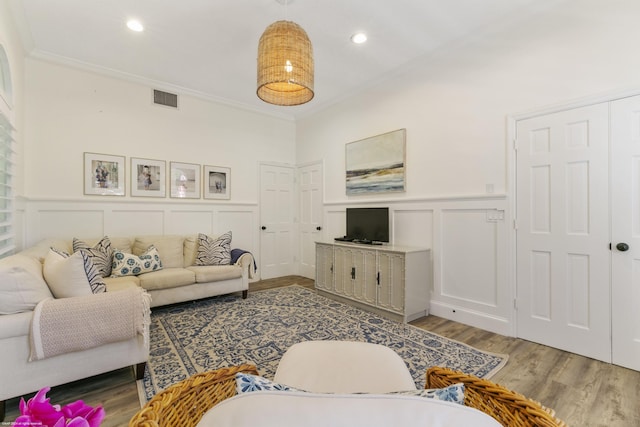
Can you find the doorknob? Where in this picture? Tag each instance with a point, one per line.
(318, 228)
(622, 247)
(263, 227)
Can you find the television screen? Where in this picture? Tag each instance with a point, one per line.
(368, 224)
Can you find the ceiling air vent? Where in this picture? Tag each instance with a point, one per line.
(165, 98)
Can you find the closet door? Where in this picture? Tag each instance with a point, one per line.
(625, 231)
(563, 257)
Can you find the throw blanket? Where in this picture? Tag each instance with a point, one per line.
(237, 257)
(79, 323)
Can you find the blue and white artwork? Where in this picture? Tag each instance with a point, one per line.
(376, 164)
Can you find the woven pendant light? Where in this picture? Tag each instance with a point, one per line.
(285, 65)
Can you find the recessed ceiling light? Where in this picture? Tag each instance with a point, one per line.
(359, 38)
(135, 25)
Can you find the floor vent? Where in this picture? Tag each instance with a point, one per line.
(165, 98)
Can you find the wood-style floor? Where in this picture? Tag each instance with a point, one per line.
(583, 391)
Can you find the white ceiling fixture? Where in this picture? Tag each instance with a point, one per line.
(359, 38)
(135, 25)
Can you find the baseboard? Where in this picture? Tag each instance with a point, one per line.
(495, 324)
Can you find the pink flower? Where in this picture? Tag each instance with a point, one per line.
(79, 411)
(38, 411)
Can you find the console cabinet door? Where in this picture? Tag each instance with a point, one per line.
(365, 279)
(342, 259)
(391, 287)
(324, 267)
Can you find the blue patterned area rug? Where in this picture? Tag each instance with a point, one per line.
(227, 330)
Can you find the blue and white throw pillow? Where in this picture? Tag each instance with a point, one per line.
(100, 254)
(453, 393)
(247, 382)
(214, 251)
(125, 264)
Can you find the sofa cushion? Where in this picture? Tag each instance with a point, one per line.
(190, 250)
(214, 273)
(100, 254)
(293, 409)
(169, 247)
(71, 275)
(21, 284)
(125, 264)
(119, 283)
(214, 250)
(167, 278)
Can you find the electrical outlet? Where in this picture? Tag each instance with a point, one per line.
(495, 215)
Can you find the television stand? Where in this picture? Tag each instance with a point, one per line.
(393, 280)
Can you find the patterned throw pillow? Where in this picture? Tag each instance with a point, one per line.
(125, 264)
(246, 383)
(214, 251)
(66, 274)
(453, 393)
(100, 254)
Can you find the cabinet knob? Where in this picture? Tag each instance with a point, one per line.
(318, 228)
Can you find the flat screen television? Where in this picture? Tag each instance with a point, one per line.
(368, 224)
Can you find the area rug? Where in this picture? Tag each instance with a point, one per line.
(228, 330)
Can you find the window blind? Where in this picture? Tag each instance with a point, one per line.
(7, 168)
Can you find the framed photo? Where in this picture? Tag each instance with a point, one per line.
(376, 164)
(184, 180)
(217, 182)
(148, 177)
(104, 174)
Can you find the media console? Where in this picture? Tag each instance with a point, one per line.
(391, 280)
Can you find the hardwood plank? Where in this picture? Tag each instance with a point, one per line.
(583, 391)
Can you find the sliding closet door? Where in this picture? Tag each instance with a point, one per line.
(563, 257)
(625, 231)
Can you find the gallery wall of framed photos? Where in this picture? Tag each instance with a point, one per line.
(106, 175)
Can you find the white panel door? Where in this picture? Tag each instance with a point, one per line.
(625, 231)
(277, 203)
(310, 190)
(563, 257)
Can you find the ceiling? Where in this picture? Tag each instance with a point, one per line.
(207, 48)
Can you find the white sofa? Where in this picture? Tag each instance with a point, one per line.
(177, 281)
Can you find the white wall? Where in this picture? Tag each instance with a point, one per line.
(71, 111)
(454, 105)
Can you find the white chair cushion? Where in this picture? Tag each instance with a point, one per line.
(343, 367)
(295, 409)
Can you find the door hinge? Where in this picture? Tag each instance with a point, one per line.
(515, 303)
(515, 144)
(515, 224)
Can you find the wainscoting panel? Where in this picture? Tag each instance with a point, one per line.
(54, 223)
(139, 222)
(41, 219)
(467, 238)
(469, 235)
(188, 221)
